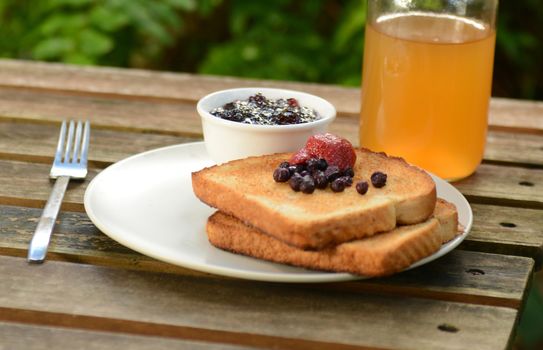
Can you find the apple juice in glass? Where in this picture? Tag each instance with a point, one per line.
(427, 77)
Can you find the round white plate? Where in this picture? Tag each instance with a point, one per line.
(146, 203)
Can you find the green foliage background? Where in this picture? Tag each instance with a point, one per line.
(311, 40)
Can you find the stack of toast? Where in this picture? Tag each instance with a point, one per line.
(379, 233)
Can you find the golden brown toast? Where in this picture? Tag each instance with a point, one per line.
(449, 226)
(245, 189)
(378, 255)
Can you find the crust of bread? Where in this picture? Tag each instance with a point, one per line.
(245, 189)
(380, 255)
(449, 225)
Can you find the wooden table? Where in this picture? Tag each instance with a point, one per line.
(94, 293)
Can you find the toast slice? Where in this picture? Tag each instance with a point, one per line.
(379, 255)
(246, 190)
(449, 225)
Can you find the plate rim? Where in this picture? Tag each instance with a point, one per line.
(282, 277)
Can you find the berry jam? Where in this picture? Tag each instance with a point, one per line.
(258, 109)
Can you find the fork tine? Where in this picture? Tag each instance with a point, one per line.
(60, 144)
(69, 143)
(85, 146)
(75, 154)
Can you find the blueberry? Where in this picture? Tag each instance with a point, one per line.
(284, 165)
(229, 106)
(295, 169)
(258, 99)
(307, 185)
(320, 179)
(332, 173)
(234, 116)
(281, 175)
(286, 118)
(304, 173)
(323, 164)
(378, 179)
(337, 185)
(362, 187)
(346, 179)
(312, 165)
(295, 182)
(292, 169)
(349, 172)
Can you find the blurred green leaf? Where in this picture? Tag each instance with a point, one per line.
(53, 24)
(205, 7)
(165, 14)
(78, 58)
(108, 19)
(53, 48)
(351, 26)
(187, 5)
(68, 3)
(94, 43)
(74, 23)
(147, 24)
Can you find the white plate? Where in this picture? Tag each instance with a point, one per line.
(145, 202)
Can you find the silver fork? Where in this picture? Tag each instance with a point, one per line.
(70, 163)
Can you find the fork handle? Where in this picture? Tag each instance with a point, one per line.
(42, 235)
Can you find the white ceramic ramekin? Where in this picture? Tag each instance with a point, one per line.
(226, 140)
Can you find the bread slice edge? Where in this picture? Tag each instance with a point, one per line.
(379, 255)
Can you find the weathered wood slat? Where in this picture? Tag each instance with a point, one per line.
(493, 184)
(36, 143)
(31, 337)
(506, 230)
(159, 117)
(27, 184)
(133, 83)
(139, 84)
(264, 314)
(510, 147)
(516, 114)
(450, 278)
(18, 142)
(172, 117)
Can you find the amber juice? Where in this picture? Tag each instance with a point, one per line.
(425, 91)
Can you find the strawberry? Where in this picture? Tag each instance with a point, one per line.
(334, 149)
(300, 157)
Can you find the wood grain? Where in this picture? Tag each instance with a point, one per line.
(264, 313)
(27, 184)
(31, 337)
(507, 230)
(170, 117)
(140, 84)
(462, 276)
(451, 278)
(18, 142)
(159, 117)
(510, 147)
(512, 186)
